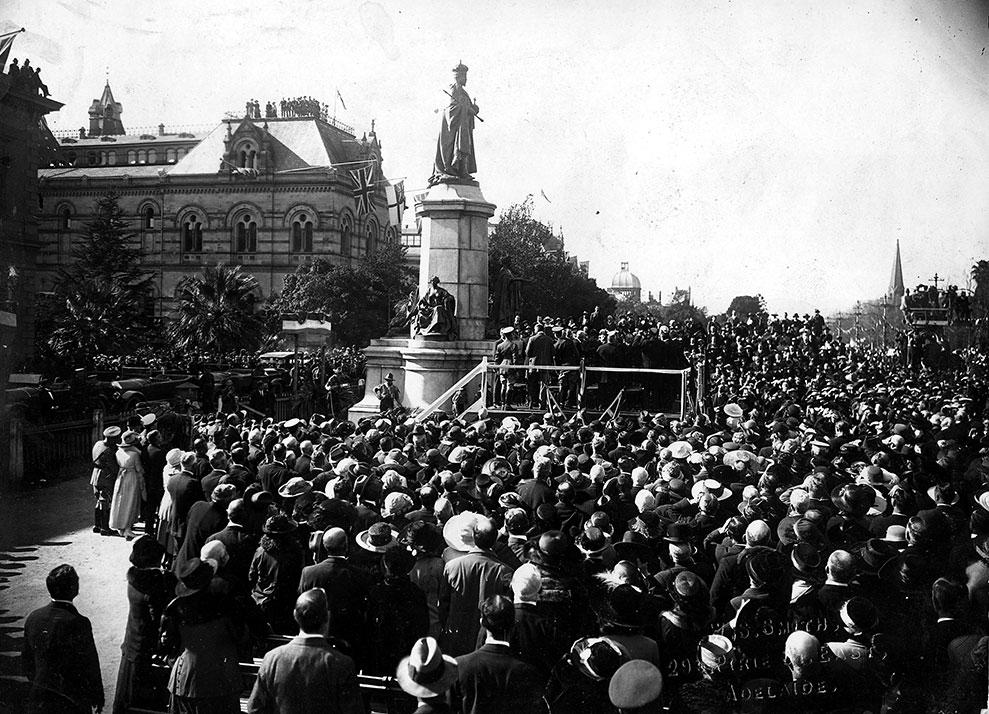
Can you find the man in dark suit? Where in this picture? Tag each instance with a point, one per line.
(204, 520)
(185, 490)
(347, 589)
(838, 587)
(731, 578)
(492, 678)
(307, 675)
(275, 473)
(240, 543)
(467, 581)
(539, 351)
(59, 655)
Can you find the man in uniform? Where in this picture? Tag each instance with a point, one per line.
(104, 477)
(507, 351)
(334, 386)
(388, 394)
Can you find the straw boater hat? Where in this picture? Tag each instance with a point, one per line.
(426, 672)
(712, 486)
(111, 432)
(130, 438)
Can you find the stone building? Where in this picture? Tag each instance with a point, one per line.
(262, 192)
(625, 286)
(25, 144)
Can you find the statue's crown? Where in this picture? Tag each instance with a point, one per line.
(461, 67)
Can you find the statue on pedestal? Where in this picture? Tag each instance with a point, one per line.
(454, 161)
(435, 317)
(508, 297)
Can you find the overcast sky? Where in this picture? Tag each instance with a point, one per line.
(737, 147)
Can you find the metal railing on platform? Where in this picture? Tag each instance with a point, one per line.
(546, 387)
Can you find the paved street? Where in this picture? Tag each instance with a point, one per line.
(39, 530)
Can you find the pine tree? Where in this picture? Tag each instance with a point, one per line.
(103, 302)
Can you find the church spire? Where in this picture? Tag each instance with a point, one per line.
(895, 290)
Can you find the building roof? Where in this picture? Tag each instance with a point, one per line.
(298, 143)
(102, 172)
(624, 280)
(118, 139)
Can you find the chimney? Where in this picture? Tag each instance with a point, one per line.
(82, 132)
(161, 130)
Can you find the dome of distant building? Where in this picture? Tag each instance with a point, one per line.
(626, 286)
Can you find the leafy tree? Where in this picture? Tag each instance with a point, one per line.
(357, 298)
(744, 305)
(215, 311)
(980, 275)
(552, 284)
(102, 300)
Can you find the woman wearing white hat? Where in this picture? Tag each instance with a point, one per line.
(129, 490)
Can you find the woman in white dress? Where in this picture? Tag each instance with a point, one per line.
(129, 490)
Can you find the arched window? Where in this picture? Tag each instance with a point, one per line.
(112, 158)
(170, 156)
(65, 219)
(247, 235)
(181, 153)
(93, 158)
(302, 234)
(131, 157)
(152, 156)
(247, 157)
(142, 156)
(148, 218)
(371, 242)
(346, 240)
(192, 235)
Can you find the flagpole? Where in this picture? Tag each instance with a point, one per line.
(13, 32)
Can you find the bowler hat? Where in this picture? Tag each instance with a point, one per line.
(677, 533)
(634, 547)
(592, 541)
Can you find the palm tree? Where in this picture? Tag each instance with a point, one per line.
(216, 311)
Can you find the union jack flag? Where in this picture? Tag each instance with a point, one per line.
(363, 189)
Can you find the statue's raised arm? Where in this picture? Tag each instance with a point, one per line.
(455, 147)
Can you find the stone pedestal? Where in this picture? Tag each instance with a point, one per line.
(455, 249)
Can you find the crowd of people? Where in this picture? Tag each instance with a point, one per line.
(26, 78)
(816, 538)
(956, 301)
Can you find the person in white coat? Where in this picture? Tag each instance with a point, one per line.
(129, 490)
